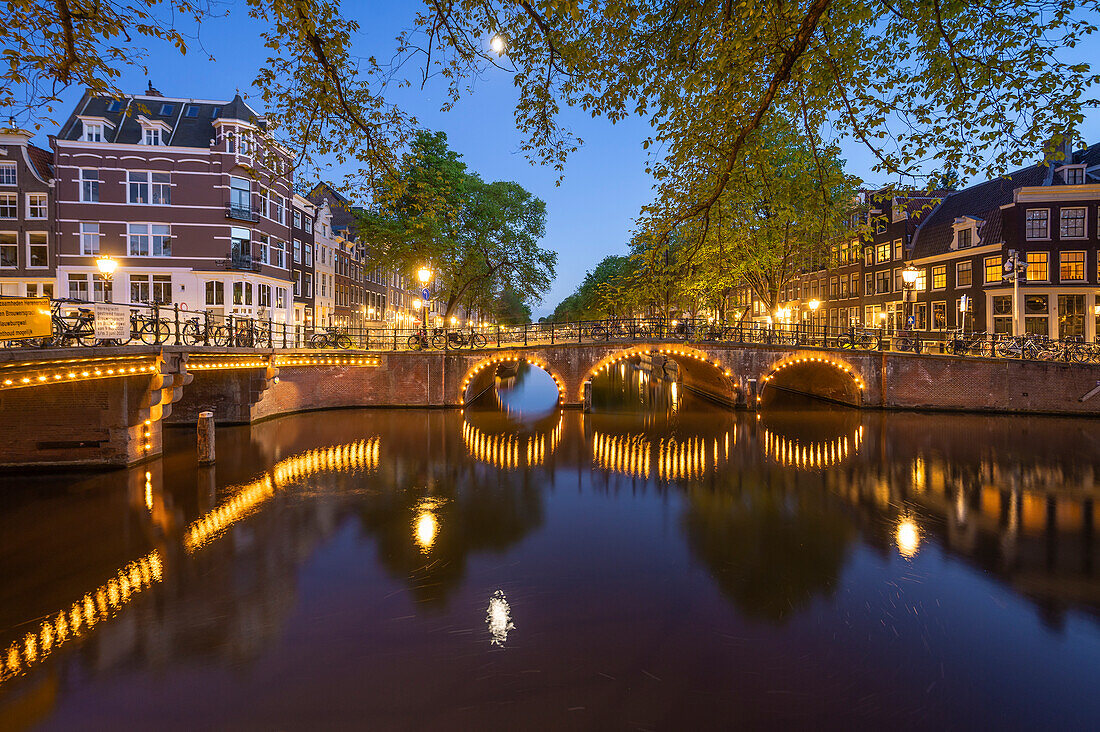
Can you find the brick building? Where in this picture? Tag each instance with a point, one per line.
(303, 273)
(28, 255)
(190, 196)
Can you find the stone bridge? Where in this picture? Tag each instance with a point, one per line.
(107, 406)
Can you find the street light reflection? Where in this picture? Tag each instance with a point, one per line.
(907, 537)
(499, 619)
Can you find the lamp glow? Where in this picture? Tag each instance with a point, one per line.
(814, 304)
(424, 275)
(909, 275)
(107, 266)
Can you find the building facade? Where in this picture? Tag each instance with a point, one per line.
(28, 254)
(190, 197)
(303, 216)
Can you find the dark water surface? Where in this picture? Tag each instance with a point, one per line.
(658, 563)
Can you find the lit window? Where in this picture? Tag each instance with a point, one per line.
(939, 277)
(994, 269)
(1072, 267)
(884, 252)
(1038, 269)
(9, 205)
(1037, 223)
(1072, 223)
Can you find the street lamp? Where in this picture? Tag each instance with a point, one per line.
(107, 266)
(424, 275)
(909, 282)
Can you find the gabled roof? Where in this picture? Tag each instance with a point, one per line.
(42, 160)
(188, 130)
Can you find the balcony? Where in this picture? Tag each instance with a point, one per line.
(240, 261)
(241, 212)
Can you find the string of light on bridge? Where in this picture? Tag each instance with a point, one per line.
(497, 360)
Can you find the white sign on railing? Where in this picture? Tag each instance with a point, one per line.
(112, 321)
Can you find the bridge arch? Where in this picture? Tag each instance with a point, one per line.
(818, 376)
(481, 375)
(701, 372)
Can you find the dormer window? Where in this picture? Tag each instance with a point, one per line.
(167, 109)
(93, 132)
(215, 113)
(193, 111)
(151, 137)
(965, 238)
(114, 105)
(966, 232)
(1073, 175)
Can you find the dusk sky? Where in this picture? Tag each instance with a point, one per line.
(589, 216)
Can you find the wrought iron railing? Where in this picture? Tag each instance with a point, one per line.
(73, 324)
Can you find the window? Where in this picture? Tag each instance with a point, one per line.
(36, 206)
(152, 136)
(964, 237)
(869, 284)
(7, 174)
(242, 293)
(114, 105)
(1037, 223)
(307, 254)
(920, 316)
(939, 278)
(1002, 314)
(139, 186)
(1072, 223)
(297, 219)
(1074, 176)
(868, 256)
(297, 283)
(240, 246)
(882, 282)
(193, 111)
(240, 195)
(9, 249)
(93, 132)
(297, 251)
(38, 249)
(1071, 316)
(150, 240)
(215, 112)
(9, 205)
(89, 185)
(964, 274)
(161, 188)
(309, 225)
(277, 208)
(307, 285)
(939, 316)
(1072, 267)
(898, 282)
(834, 288)
(280, 297)
(162, 289)
(994, 270)
(139, 288)
(215, 291)
(1036, 315)
(264, 295)
(277, 253)
(78, 287)
(89, 238)
(884, 252)
(1038, 269)
(167, 109)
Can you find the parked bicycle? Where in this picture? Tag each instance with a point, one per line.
(150, 329)
(967, 344)
(331, 337)
(861, 338)
(908, 341)
(458, 339)
(200, 331)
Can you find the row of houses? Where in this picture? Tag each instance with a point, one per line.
(197, 205)
(958, 242)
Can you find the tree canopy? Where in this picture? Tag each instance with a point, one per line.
(480, 239)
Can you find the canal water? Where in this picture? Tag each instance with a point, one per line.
(659, 563)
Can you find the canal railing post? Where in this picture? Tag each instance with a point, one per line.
(206, 438)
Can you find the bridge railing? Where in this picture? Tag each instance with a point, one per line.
(73, 324)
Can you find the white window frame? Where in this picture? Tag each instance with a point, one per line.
(46, 245)
(86, 234)
(1027, 213)
(1084, 223)
(88, 184)
(151, 236)
(152, 136)
(14, 207)
(15, 246)
(6, 165)
(45, 204)
(93, 130)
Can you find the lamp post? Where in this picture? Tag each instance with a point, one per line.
(813, 304)
(909, 284)
(424, 274)
(107, 267)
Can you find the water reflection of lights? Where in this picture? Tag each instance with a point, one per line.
(511, 450)
(499, 618)
(907, 537)
(812, 454)
(637, 455)
(360, 455)
(69, 624)
(426, 525)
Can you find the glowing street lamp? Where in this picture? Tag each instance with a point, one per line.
(424, 275)
(107, 266)
(417, 304)
(909, 282)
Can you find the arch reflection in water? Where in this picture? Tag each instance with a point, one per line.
(811, 455)
(510, 450)
(352, 457)
(671, 458)
(499, 619)
(69, 624)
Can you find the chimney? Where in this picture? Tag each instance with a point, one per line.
(152, 92)
(1059, 149)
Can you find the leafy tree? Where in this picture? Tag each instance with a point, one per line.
(604, 292)
(480, 239)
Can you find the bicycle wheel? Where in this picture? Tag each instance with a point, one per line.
(478, 341)
(218, 335)
(343, 341)
(439, 341)
(191, 334)
(155, 332)
(318, 340)
(845, 341)
(865, 341)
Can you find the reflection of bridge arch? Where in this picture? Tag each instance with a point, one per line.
(482, 375)
(511, 450)
(669, 458)
(811, 454)
(817, 376)
(700, 372)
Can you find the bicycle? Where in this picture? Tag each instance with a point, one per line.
(862, 338)
(1023, 347)
(457, 339)
(908, 342)
(331, 337)
(961, 344)
(152, 329)
(76, 328)
(199, 331)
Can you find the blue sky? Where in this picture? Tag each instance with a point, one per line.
(590, 215)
